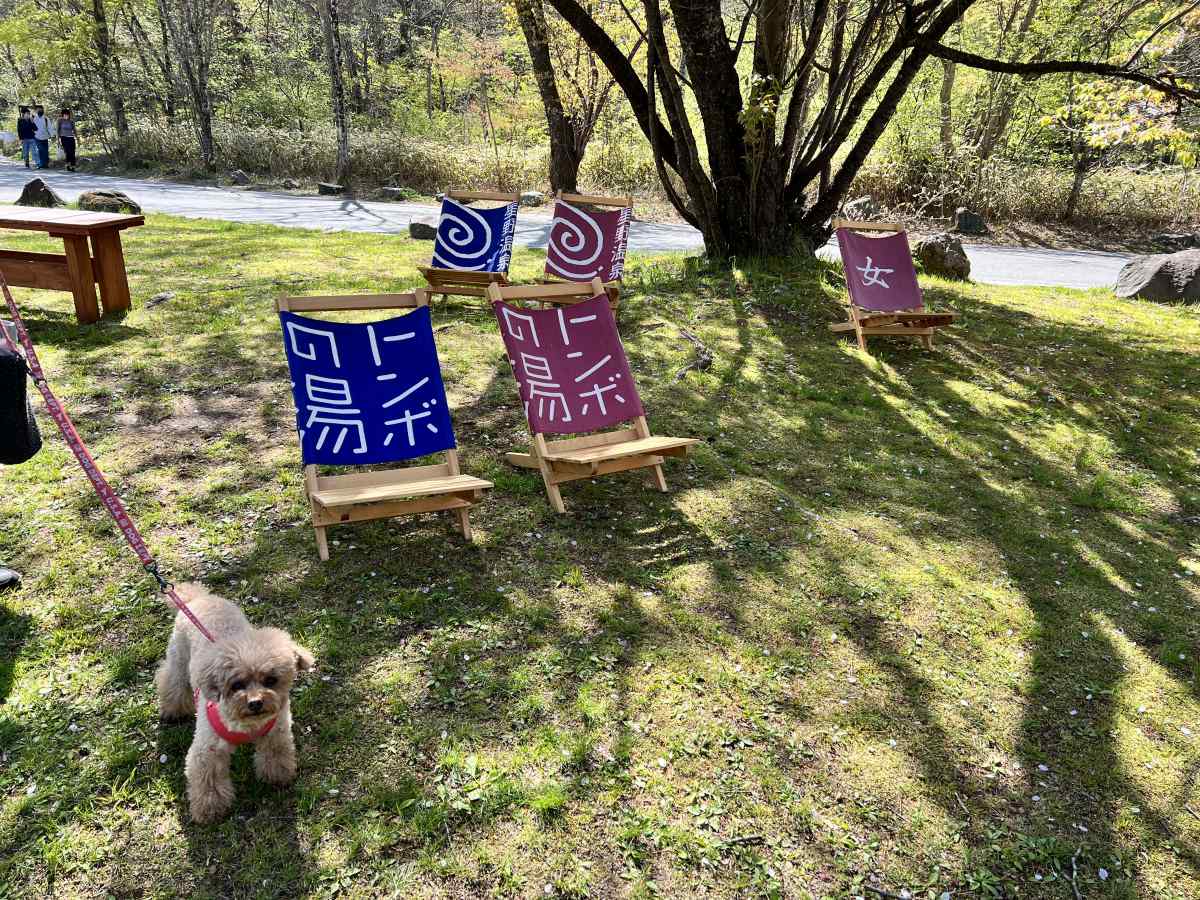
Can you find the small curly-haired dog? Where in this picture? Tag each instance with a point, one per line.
(238, 689)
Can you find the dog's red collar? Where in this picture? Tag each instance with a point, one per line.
(233, 737)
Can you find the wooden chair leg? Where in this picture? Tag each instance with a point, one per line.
(658, 478)
(927, 340)
(554, 494)
(464, 522)
(862, 339)
(322, 543)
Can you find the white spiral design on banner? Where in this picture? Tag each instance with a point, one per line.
(468, 239)
(576, 244)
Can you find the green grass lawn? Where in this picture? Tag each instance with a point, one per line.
(912, 622)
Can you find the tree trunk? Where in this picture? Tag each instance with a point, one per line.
(946, 99)
(191, 25)
(566, 154)
(107, 65)
(330, 20)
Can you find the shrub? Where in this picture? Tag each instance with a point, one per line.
(932, 184)
(911, 182)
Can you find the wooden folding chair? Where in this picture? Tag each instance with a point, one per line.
(553, 355)
(319, 353)
(885, 298)
(473, 246)
(589, 243)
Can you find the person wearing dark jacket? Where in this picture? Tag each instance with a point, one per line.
(26, 132)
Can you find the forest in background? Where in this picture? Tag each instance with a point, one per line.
(431, 93)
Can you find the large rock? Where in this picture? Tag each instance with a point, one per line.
(533, 198)
(862, 209)
(37, 193)
(237, 176)
(1173, 242)
(329, 188)
(424, 229)
(398, 193)
(968, 222)
(1162, 277)
(108, 201)
(290, 184)
(943, 254)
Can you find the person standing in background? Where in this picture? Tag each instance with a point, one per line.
(25, 132)
(42, 136)
(66, 138)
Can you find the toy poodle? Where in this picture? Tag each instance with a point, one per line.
(238, 689)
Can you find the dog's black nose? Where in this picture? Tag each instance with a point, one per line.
(255, 705)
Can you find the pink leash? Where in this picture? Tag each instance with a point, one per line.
(108, 497)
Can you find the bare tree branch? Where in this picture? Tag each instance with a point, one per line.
(1164, 81)
(622, 72)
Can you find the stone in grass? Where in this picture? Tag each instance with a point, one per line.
(398, 193)
(237, 176)
(328, 188)
(290, 184)
(943, 255)
(37, 193)
(968, 222)
(423, 229)
(161, 297)
(1163, 277)
(862, 209)
(533, 198)
(108, 201)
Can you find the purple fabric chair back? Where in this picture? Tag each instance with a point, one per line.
(879, 271)
(570, 366)
(586, 245)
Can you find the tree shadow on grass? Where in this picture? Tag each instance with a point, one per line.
(1076, 676)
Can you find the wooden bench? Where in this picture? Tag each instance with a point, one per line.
(80, 267)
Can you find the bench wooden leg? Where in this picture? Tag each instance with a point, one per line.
(464, 522)
(322, 543)
(658, 478)
(114, 283)
(82, 278)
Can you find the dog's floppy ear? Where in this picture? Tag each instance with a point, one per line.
(212, 675)
(282, 642)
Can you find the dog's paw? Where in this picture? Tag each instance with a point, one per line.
(275, 768)
(208, 808)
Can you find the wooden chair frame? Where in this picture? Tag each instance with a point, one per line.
(598, 453)
(612, 288)
(913, 322)
(464, 282)
(382, 493)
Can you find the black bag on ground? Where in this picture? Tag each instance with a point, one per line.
(19, 437)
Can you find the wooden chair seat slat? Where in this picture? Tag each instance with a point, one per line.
(378, 493)
(658, 445)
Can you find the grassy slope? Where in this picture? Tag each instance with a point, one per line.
(883, 595)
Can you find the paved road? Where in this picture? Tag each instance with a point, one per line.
(991, 265)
